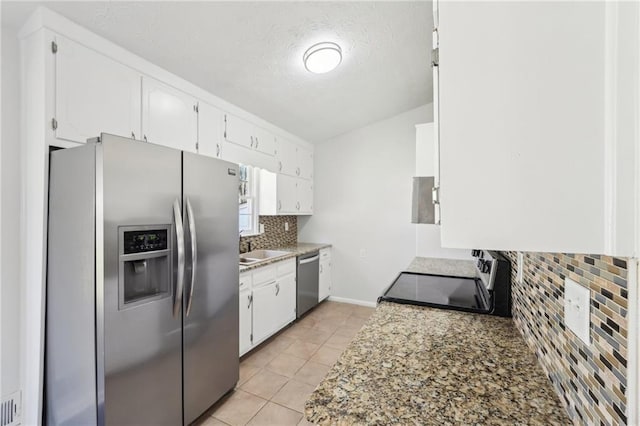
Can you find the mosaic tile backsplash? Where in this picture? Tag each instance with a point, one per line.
(274, 234)
(590, 379)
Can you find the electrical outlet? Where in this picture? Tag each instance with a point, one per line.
(520, 271)
(286, 226)
(262, 228)
(577, 309)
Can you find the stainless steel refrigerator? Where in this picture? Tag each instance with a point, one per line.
(142, 284)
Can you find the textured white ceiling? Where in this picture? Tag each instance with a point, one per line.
(250, 53)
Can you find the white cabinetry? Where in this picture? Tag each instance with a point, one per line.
(264, 310)
(538, 125)
(264, 141)
(267, 302)
(294, 160)
(246, 302)
(169, 116)
(238, 131)
(324, 283)
(305, 163)
(246, 134)
(282, 194)
(93, 94)
(287, 160)
(209, 130)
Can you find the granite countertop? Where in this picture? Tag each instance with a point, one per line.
(297, 250)
(451, 267)
(419, 365)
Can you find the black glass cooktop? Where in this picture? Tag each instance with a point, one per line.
(440, 291)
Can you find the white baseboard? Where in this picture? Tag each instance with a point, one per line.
(353, 301)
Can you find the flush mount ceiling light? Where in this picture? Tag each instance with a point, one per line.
(322, 57)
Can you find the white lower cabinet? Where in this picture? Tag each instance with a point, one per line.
(267, 302)
(264, 311)
(246, 305)
(324, 279)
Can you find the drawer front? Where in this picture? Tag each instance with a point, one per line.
(246, 280)
(264, 275)
(287, 267)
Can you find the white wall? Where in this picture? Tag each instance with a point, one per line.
(362, 205)
(10, 216)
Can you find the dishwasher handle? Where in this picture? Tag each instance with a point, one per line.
(309, 260)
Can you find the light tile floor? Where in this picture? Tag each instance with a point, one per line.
(277, 377)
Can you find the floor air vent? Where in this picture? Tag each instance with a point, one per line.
(10, 410)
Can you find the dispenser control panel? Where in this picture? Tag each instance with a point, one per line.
(144, 241)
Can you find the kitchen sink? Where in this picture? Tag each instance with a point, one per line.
(258, 255)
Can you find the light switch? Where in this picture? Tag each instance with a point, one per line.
(286, 226)
(262, 228)
(577, 304)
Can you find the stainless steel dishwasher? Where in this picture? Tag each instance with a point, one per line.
(307, 286)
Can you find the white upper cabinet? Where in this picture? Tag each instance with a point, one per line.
(305, 196)
(536, 109)
(169, 116)
(93, 94)
(294, 160)
(305, 163)
(287, 157)
(238, 131)
(285, 195)
(245, 134)
(209, 130)
(264, 141)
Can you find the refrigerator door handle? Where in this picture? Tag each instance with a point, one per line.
(180, 243)
(194, 252)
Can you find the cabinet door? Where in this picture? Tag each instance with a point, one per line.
(527, 164)
(264, 311)
(285, 301)
(287, 160)
(324, 284)
(246, 306)
(238, 131)
(305, 163)
(94, 94)
(169, 117)
(305, 197)
(209, 130)
(287, 194)
(264, 141)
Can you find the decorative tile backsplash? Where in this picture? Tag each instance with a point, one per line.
(274, 234)
(590, 379)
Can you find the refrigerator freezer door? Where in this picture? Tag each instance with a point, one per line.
(142, 338)
(211, 359)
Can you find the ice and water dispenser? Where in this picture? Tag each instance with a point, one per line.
(144, 264)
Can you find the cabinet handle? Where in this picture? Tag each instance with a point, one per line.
(298, 171)
(145, 138)
(298, 205)
(279, 166)
(251, 141)
(250, 299)
(133, 135)
(279, 205)
(257, 142)
(277, 289)
(217, 150)
(320, 268)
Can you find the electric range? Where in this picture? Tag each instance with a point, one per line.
(489, 292)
